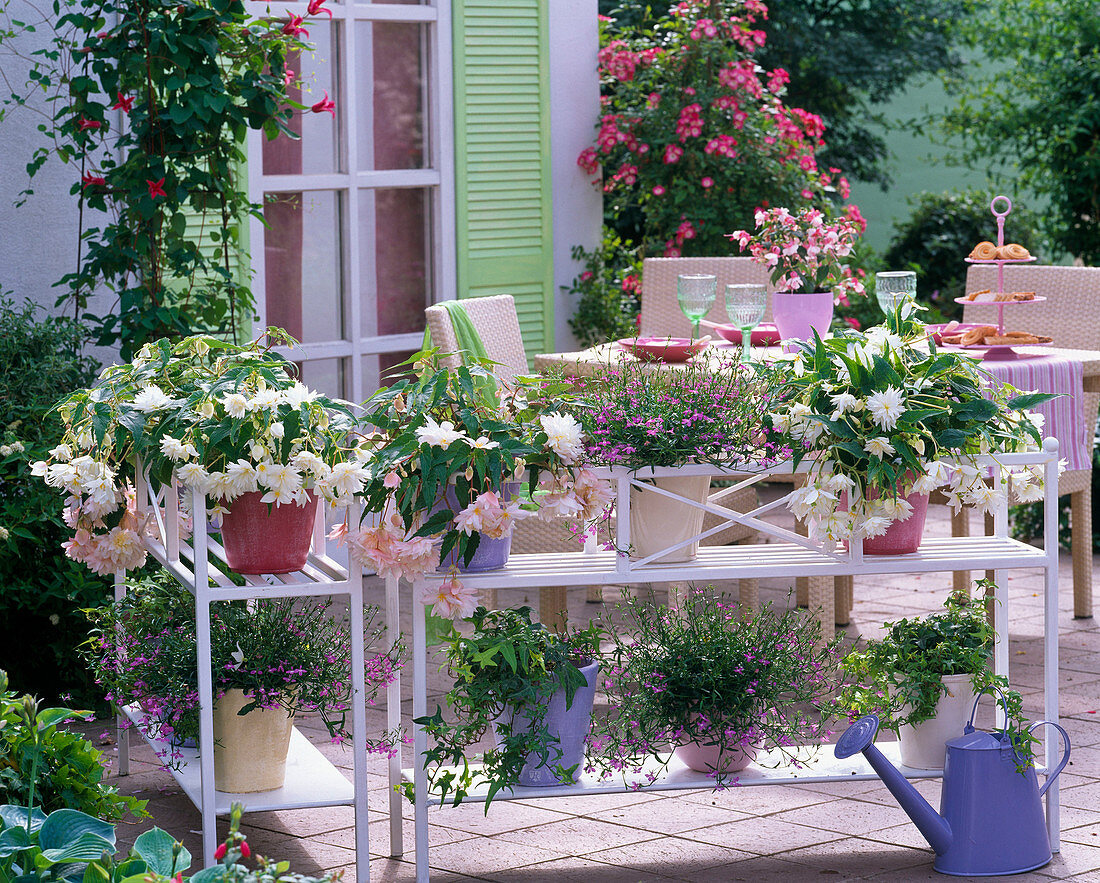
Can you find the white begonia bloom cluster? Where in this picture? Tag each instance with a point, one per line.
(563, 436)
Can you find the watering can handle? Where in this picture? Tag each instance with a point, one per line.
(1065, 757)
(974, 710)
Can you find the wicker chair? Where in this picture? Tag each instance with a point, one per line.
(661, 315)
(1069, 316)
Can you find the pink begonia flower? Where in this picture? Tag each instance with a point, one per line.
(317, 6)
(325, 105)
(392, 480)
(294, 26)
(339, 533)
(451, 599)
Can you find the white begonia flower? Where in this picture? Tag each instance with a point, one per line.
(61, 452)
(85, 439)
(194, 476)
(798, 366)
(1036, 419)
(219, 486)
(264, 398)
(781, 422)
(878, 446)
(242, 477)
(257, 452)
(838, 526)
(898, 508)
(175, 449)
(235, 404)
(938, 471)
(347, 479)
(283, 483)
(844, 376)
(886, 407)
(152, 398)
(264, 470)
(482, 443)
(844, 402)
(277, 430)
(439, 435)
(563, 436)
(838, 484)
(982, 497)
(4, 535)
(310, 462)
(206, 410)
(39, 468)
(875, 525)
(298, 395)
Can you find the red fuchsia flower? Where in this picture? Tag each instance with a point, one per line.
(289, 77)
(325, 105)
(246, 850)
(318, 6)
(90, 180)
(83, 124)
(220, 852)
(854, 322)
(123, 104)
(294, 27)
(156, 188)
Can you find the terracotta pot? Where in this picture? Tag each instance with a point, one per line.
(711, 758)
(797, 315)
(568, 725)
(250, 750)
(657, 522)
(923, 746)
(264, 538)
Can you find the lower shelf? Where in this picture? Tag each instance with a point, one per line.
(823, 768)
(311, 779)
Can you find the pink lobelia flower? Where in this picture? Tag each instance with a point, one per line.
(325, 105)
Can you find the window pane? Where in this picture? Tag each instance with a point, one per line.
(327, 375)
(302, 261)
(394, 244)
(392, 76)
(317, 151)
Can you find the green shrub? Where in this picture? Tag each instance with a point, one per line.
(44, 765)
(608, 291)
(41, 622)
(941, 231)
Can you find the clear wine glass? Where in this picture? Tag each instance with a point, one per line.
(745, 305)
(892, 289)
(696, 293)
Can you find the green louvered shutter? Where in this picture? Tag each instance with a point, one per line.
(502, 160)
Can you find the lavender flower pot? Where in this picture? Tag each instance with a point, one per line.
(798, 315)
(568, 725)
(491, 553)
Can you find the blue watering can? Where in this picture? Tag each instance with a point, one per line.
(992, 818)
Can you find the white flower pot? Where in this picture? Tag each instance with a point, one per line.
(250, 750)
(923, 745)
(657, 522)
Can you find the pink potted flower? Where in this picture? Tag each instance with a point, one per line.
(805, 253)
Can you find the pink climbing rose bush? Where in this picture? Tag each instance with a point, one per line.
(695, 135)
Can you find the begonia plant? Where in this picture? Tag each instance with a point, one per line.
(457, 455)
(222, 418)
(885, 413)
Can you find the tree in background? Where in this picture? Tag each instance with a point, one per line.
(1038, 124)
(845, 61)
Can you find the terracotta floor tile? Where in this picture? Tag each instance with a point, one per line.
(670, 856)
(764, 836)
(577, 836)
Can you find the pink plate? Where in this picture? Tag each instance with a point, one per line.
(935, 331)
(765, 334)
(663, 349)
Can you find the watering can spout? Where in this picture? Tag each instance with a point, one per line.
(859, 738)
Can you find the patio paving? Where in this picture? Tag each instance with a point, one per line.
(843, 830)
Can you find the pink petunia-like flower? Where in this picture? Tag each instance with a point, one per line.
(325, 105)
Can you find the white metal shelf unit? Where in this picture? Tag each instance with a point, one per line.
(793, 556)
(200, 566)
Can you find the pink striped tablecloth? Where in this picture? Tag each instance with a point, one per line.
(1065, 415)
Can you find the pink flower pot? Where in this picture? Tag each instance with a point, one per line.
(901, 537)
(798, 315)
(711, 758)
(264, 538)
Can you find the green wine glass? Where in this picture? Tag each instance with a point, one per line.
(696, 293)
(745, 305)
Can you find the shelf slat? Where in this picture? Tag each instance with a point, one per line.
(311, 779)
